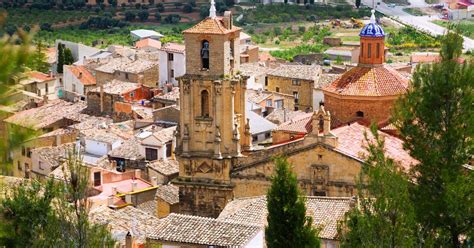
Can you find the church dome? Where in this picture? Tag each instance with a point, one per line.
(372, 29)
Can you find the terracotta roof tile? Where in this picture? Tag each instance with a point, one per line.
(81, 73)
(166, 167)
(173, 47)
(369, 81)
(351, 141)
(210, 26)
(304, 72)
(299, 124)
(39, 76)
(204, 231)
(168, 193)
(326, 212)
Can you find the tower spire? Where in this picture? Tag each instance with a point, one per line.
(212, 10)
(372, 17)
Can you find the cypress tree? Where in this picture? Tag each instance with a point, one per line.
(68, 58)
(60, 61)
(436, 120)
(357, 3)
(288, 225)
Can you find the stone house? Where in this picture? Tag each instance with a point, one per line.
(270, 100)
(127, 69)
(46, 159)
(256, 73)
(167, 98)
(169, 114)
(162, 170)
(41, 84)
(157, 145)
(76, 82)
(293, 129)
(167, 200)
(102, 100)
(299, 81)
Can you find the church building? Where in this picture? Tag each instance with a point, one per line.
(217, 162)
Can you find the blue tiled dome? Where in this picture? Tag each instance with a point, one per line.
(372, 29)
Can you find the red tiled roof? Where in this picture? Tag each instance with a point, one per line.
(369, 81)
(39, 76)
(173, 47)
(300, 124)
(210, 26)
(81, 73)
(351, 141)
(148, 42)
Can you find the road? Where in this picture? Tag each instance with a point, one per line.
(419, 22)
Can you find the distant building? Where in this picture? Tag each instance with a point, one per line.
(133, 69)
(76, 82)
(140, 34)
(41, 84)
(172, 63)
(460, 9)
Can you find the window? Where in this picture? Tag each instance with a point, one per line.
(268, 135)
(40, 165)
(23, 151)
(46, 88)
(205, 54)
(126, 75)
(279, 104)
(360, 114)
(170, 56)
(204, 103)
(377, 52)
(277, 89)
(369, 50)
(74, 88)
(151, 154)
(254, 138)
(296, 108)
(269, 102)
(132, 94)
(169, 149)
(28, 152)
(362, 48)
(321, 123)
(266, 81)
(319, 193)
(320, 156)
(295, 82)
(18, 164)
(296, 96)
(97, 178)
(172, 73)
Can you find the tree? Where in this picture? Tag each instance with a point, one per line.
(38, 61)
(129, 16)
(143, 15)
(357, 3)
(435, 119)
(288, 225)
(173, 18)
(68, 58)
(160, 7)
(385, 216)
(158, 16)
(60, 61)
(187, 8)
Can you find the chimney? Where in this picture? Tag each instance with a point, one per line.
(80, 74)
(101, 99)
(154, 181)
(138, 173)
(134, 186)
(50, 73)
(114, 190)
(227, 20)
(110, 201)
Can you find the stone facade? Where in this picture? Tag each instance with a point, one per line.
(147, 77)
(304, 89)
(348, 109)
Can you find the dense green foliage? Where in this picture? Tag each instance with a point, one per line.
(102, 22)
(386, 215)
(288, 225)
(290, 53)
(276, 13)
(111, 36)
(143, 15)
(38, 60)
(466, 27)
(409, 38)
(19, 17)
(435, 119)
(52, 213)
(60, 61)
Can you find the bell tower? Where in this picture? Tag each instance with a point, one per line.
(212, 116)
(372, 47)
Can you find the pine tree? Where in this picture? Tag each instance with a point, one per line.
(288, 225)
(60, 61)
(385, 215)
(436, 120)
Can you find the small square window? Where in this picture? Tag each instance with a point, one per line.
(320, 156)
(170, 56)
(19, 166)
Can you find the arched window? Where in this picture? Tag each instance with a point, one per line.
(205, 103)
(205, 54)
(360, 114)
(377, 52)
(321, 123)
(369, 50)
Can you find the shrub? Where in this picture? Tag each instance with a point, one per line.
(143, 15)
(173, 18)
(192, 2)
(129, 16)
(138, 5)
(160, 7)
(123, 5)
(177, 4)
(46, 27)
(187, 8)
(301, 29)
(158, 16)
(277, 31)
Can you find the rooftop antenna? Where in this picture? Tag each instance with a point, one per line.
(212, 10)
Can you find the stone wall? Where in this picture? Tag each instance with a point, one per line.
(285, 85)
(344, 110)
(166, 114)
